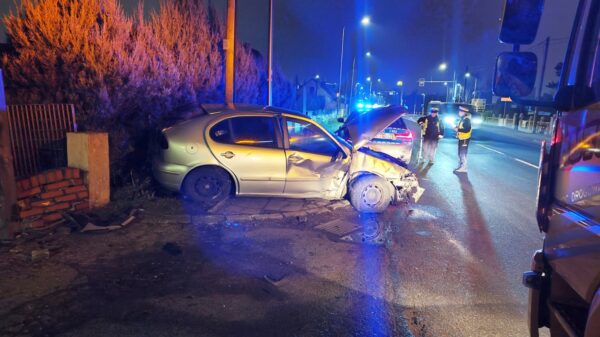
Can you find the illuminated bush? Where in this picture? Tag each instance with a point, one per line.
(125, 74)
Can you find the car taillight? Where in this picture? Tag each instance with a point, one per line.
(162, 141)
(404, 135)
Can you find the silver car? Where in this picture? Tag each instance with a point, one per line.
(264, 151)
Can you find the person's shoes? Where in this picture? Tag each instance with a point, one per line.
(461, 170)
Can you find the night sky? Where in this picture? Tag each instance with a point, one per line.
(407, 38)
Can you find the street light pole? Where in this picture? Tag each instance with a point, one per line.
(270, 60)
(339, 95)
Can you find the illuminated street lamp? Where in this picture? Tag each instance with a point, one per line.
(467, 75)
(366, 21)
(368, 54)
(370, 86)
(401, 85)
(317, 76)
(443, 66)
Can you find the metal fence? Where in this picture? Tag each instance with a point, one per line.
(38, 135)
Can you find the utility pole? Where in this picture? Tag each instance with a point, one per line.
(465, 83)
(229, 46)
(270, 65)
(7, 173)
(339, 94)
(351, 97)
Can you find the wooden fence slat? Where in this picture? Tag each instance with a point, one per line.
(33, 128)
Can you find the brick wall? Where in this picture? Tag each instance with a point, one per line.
(42, 198)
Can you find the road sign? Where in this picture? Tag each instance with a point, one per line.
(421, 82)
(505, 99)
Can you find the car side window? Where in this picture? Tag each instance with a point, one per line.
(306, 137)
(249, 131)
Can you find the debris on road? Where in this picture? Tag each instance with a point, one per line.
(172, 249)
(39, 254)
(95, 223)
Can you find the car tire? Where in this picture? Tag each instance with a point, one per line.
(207, 186)
(370, 194)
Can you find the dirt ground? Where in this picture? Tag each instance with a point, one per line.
(162, 278)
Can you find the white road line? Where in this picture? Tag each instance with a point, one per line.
(489, 148)
(517, 159)
(527, 163)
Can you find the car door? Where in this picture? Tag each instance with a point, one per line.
(316, 165)
(251, 148)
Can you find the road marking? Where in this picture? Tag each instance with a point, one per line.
(489, 148)
(516, 159)
(527, 163)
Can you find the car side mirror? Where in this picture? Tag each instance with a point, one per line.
(515, 74)
(340, 120)
(520, 21)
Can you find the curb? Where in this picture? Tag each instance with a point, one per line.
(215, 219)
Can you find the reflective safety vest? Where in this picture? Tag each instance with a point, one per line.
(464, 135)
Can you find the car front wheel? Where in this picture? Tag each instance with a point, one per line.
(370, 194)
(207, 186)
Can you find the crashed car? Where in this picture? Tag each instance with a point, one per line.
(265, 151)
(395, 140)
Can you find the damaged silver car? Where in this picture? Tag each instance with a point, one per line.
(265, 151)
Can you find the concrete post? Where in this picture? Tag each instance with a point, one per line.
(89, 152)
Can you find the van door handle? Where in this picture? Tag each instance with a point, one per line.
(228, 154)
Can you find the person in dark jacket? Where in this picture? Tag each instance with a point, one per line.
(463, 133)
(432, 130)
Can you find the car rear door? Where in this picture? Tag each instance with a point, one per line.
(251, 148)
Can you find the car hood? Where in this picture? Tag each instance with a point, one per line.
(362, 127)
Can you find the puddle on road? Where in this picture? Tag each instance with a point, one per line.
(424, 213)
(423, 233)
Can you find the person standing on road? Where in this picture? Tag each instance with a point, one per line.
(432, 130)
(463, 133)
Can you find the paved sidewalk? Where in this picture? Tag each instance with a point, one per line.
(241, 209)
(512, 133)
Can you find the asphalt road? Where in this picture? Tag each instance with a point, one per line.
(461, 251)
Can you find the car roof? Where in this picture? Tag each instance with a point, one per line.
(212, 109)
(191, 112)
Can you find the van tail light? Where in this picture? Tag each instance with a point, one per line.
(557, 138)
(404, 135)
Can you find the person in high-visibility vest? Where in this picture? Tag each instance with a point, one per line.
(432, 129)
(463, 133)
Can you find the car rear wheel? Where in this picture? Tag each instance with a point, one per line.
(370, 194)
(207, 186)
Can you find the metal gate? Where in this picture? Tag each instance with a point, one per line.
(38, 135)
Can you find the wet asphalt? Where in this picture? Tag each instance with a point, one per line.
(463, 248)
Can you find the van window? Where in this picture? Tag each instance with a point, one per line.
(248, 131)
(578, 175)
